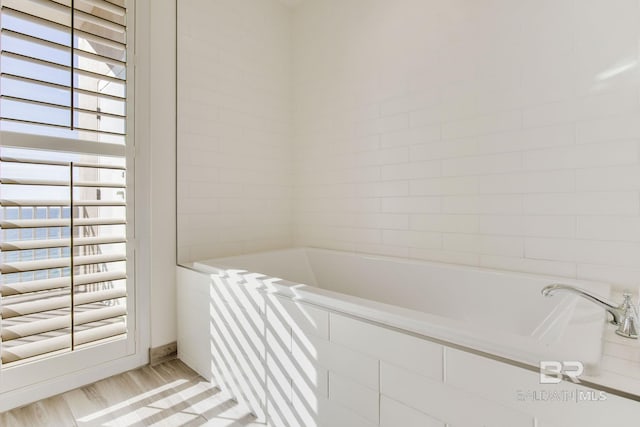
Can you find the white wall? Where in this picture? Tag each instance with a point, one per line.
(498, 133)
(234, 121)
(157, 62)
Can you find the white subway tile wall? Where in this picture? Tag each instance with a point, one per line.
(440, 130)
(234, 127)
(502, 134)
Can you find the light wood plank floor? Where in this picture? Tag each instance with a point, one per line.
(169, 394)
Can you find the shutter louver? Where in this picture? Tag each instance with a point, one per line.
(63, 223)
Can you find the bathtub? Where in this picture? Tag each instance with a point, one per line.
(309, 336)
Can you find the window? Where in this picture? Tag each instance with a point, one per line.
(65, 178)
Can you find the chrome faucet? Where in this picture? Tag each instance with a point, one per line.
(625, 315)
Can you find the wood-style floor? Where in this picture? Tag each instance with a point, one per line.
(169, 394)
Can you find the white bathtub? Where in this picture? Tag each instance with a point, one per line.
(499, 312)
(254, 311)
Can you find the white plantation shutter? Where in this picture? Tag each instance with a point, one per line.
(64, 68)
(64, 176)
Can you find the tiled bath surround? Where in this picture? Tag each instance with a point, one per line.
(502, 134)
(299, 364)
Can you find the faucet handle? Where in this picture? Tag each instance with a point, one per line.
(628, 325)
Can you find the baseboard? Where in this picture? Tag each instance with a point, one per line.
(163, 353)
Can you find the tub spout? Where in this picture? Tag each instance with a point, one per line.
(616, 312)
(625, 315)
